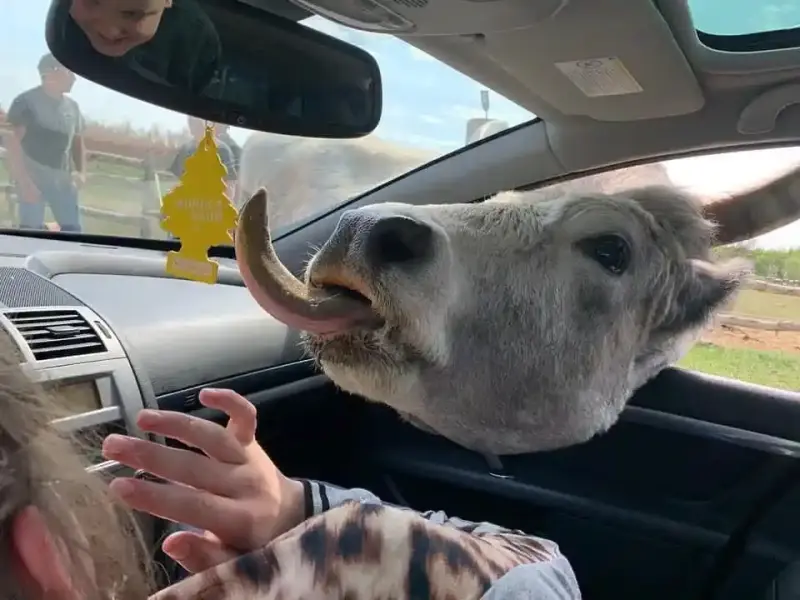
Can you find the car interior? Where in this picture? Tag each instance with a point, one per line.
(692, 495)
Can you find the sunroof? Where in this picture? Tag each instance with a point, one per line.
(744, 17)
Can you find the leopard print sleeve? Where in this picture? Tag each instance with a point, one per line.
(368, 551)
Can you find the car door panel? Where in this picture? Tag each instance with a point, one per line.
(670, 509)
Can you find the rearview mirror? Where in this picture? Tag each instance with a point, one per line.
(221, 61)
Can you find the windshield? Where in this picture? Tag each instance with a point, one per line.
(135, 150)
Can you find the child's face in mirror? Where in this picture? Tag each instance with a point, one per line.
(114, 27)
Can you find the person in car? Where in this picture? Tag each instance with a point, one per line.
(168, 41)
(62, 537)
(47, 158)
(234, 498)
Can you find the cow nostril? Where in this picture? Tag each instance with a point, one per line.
(398, 240)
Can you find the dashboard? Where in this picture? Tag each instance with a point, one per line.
(112, 333)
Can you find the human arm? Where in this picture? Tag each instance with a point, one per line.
(231, 175)
(548, 579)
(366, 551)
(19, 117)
(237, 500)
(551, 580)
(320, 496)
(176, 166)
(226, 156)
(79, 148)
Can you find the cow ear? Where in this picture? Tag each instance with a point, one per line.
(705, 288)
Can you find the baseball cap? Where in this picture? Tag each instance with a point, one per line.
(48, 63)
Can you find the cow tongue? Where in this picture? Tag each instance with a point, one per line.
(277, 291)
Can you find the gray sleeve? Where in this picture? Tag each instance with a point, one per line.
(552, 580)
(73, 107)
(548, 580)
(226, 156)
(323, 496)
(176, 166)
(19, 113)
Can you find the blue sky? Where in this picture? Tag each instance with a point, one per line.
(426, 103)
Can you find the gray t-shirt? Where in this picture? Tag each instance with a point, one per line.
(51, 124)
(187, 149)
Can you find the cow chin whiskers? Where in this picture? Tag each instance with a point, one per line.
(380, 382)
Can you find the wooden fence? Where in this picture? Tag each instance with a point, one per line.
(151, 183)
(770, 286)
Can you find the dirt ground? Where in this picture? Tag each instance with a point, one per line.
(754, 339)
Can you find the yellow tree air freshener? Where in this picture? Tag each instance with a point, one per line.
(199, 213)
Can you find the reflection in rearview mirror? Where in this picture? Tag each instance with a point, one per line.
(222, 61)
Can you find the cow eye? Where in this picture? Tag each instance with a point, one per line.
(611, 252)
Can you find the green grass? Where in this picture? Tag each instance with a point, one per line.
(770, 368)
(765, 367)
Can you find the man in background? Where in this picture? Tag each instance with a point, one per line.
(224, 135)
(197, 129)
(47, 157)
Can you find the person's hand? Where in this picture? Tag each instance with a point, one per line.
(28, 192)
(234, 492)
(78, 179)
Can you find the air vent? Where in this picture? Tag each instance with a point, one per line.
(56, 333)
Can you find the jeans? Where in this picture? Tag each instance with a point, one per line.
(57, 192)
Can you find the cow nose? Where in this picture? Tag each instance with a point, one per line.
(398, 240)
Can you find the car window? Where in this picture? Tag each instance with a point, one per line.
(135, 149)
(743, 17)
(757, 338)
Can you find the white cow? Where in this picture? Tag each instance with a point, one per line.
(307, 175)
(519, 324)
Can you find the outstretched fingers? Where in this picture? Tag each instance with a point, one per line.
(173, 464)
(243, 415)
(183, 504)
(213, 439)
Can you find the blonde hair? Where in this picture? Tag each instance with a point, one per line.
(42, 467)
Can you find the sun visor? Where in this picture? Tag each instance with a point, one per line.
(611, 60)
